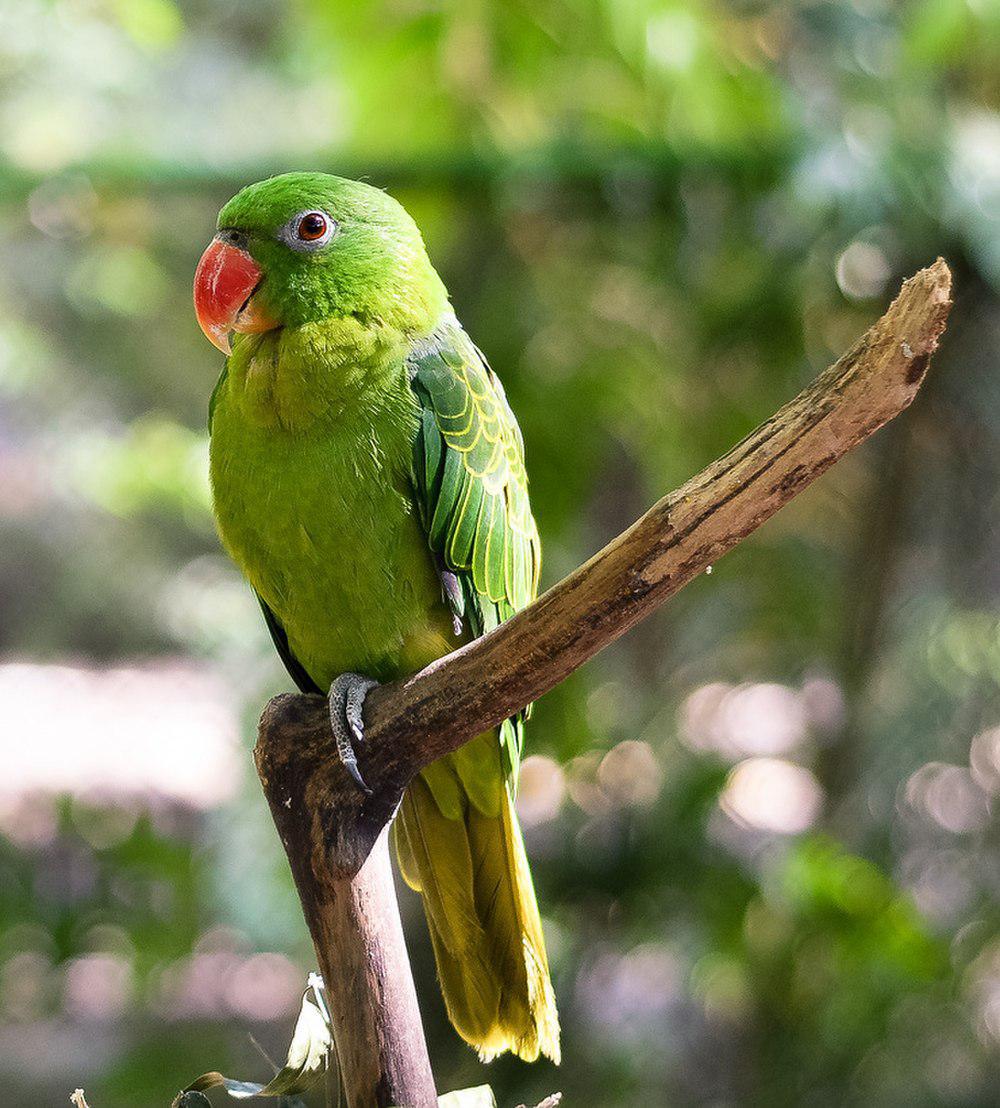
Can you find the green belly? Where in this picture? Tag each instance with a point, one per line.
(322, 523)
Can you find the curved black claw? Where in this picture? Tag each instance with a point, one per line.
(347, 700)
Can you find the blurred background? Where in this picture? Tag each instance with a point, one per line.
(762, 826)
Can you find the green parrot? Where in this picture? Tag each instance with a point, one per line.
(368, 479)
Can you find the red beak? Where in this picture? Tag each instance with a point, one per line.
(224, 286)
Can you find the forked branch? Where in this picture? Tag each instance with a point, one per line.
(334, 834)
(411, 723)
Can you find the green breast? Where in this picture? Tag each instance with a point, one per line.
(312, 499)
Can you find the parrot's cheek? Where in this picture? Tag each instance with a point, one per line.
(254, 316)
(224, 286)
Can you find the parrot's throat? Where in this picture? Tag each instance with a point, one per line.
(292, 378)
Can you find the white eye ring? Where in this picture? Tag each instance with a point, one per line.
(295, 232)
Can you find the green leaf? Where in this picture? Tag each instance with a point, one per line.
(305, 1064)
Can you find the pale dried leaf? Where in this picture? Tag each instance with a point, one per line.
(479, 1097)
(305, 1064)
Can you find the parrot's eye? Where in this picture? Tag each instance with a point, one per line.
(312, 226)
(309, 230)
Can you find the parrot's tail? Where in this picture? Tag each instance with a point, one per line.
(471, 869)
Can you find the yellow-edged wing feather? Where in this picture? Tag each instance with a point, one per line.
(456, 835)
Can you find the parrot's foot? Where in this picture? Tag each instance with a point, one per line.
(346, 699)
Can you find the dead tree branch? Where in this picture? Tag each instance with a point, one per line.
(330, 829)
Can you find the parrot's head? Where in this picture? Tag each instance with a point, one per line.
(306, 247)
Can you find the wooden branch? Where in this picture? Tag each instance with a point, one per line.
(411, 723)
(330, 828)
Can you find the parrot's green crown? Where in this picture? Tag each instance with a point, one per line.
(367, 261)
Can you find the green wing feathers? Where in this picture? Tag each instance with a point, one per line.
(457, 836)
(473, 491)
(469, 467)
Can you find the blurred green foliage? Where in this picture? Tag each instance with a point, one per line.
(658, 219)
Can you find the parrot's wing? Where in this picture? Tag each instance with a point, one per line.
(472, 489)
(469, 470)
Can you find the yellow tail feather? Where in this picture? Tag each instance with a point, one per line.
(473, 874)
